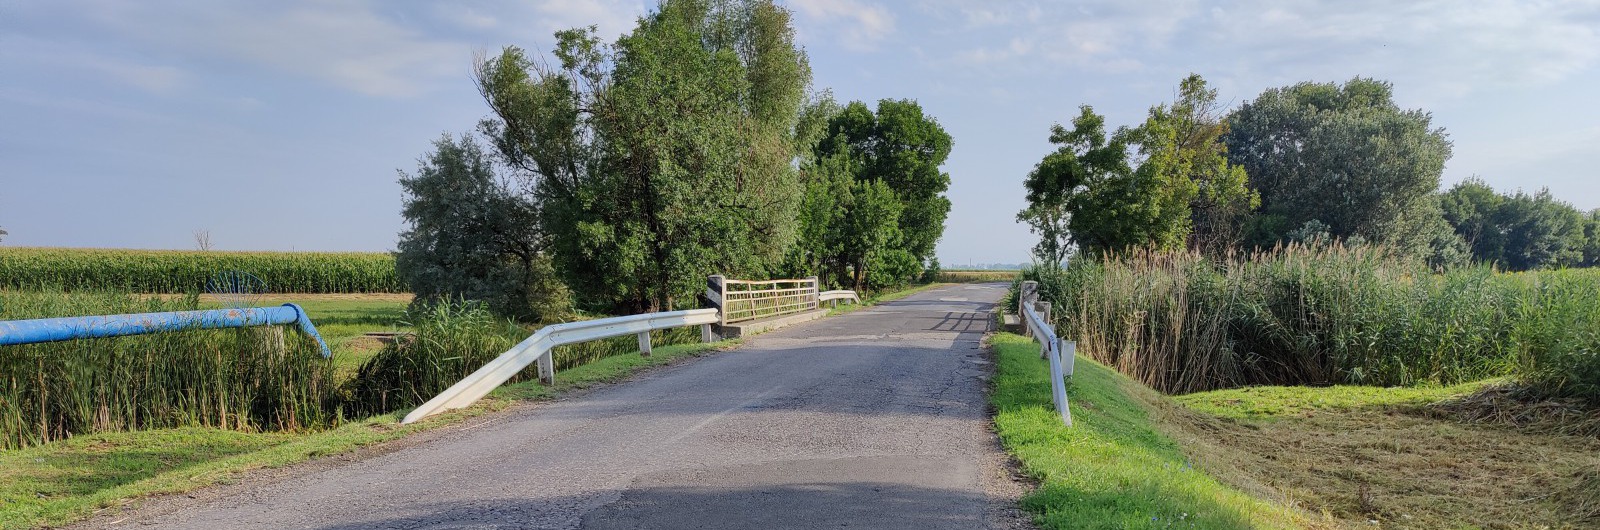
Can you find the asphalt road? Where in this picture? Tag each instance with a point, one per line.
(874, 419)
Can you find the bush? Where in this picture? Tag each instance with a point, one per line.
(449, 340)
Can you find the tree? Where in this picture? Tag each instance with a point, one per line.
(1472, 209)
(663, 157)
(1344, 155)
(1520, 231)
(902, 147)
(1059, 187)
(1186, 140)
(474, 237)
(1179, 191)
(1540, 232)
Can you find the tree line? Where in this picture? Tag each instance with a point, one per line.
(619, 176)
(1304, 163)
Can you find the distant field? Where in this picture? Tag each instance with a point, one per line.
(178, 271)
(976, 276)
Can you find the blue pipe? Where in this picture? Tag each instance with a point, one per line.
(13, 332)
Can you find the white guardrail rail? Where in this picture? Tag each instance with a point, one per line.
(537, 348)
(1035, 317)
(838, 295)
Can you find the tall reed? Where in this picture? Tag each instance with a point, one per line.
(245, 379)
(1326, 315)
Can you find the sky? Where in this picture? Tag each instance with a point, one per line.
(283, 125)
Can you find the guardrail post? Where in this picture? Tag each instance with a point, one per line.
(644, 344)
(547, 367)
(1043, 308)
(816, 291)
(706, 335)
(1028, 294)
(716, 289)
(1059, 385)
(1069, 356)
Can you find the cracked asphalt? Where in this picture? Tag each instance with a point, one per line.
(873, 419)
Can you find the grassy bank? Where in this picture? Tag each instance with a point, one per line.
(64, 481)
(1283, 456)
(1113, 468)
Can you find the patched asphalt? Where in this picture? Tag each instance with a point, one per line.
(873, 419)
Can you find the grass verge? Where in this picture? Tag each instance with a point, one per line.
(58, 483)
(1113, 468)
(1326, 457)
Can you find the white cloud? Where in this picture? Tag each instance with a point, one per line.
(348, 44)
(613, 17)
(1445, 48)
(860, 25)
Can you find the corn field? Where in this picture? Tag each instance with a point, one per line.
(177, 272)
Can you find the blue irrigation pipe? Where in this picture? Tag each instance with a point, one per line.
(13, 332)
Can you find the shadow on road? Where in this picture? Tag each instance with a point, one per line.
(806, 505)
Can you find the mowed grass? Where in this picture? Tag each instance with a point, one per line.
(1370, 457)
(61, 482)
(1113, 468)
(1282, 456)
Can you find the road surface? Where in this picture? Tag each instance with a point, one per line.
(874, 419)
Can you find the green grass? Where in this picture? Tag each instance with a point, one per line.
(1113, 468)
(60, 482)
(1266, 403)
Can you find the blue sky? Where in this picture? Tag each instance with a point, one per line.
(280, 125)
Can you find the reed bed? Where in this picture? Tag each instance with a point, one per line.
(246, 379)
(1328, 315)
(179, 272)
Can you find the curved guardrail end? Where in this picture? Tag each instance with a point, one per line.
(304, 322)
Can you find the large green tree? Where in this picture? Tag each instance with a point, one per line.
(663, 157)
(473, 236)
(1344, 155)
(1519, 231)
(1179, 191)
(901, 147)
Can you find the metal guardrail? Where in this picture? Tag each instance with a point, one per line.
(838, 295)
(742, 300)
(1061, 354)
(538, 348)
(797, 296)
(14, 332)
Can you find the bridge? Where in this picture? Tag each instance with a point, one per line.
(871, 419)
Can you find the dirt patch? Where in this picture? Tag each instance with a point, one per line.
(1004, 483)
(1398, 468)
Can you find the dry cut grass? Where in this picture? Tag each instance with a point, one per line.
(1387, 458)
